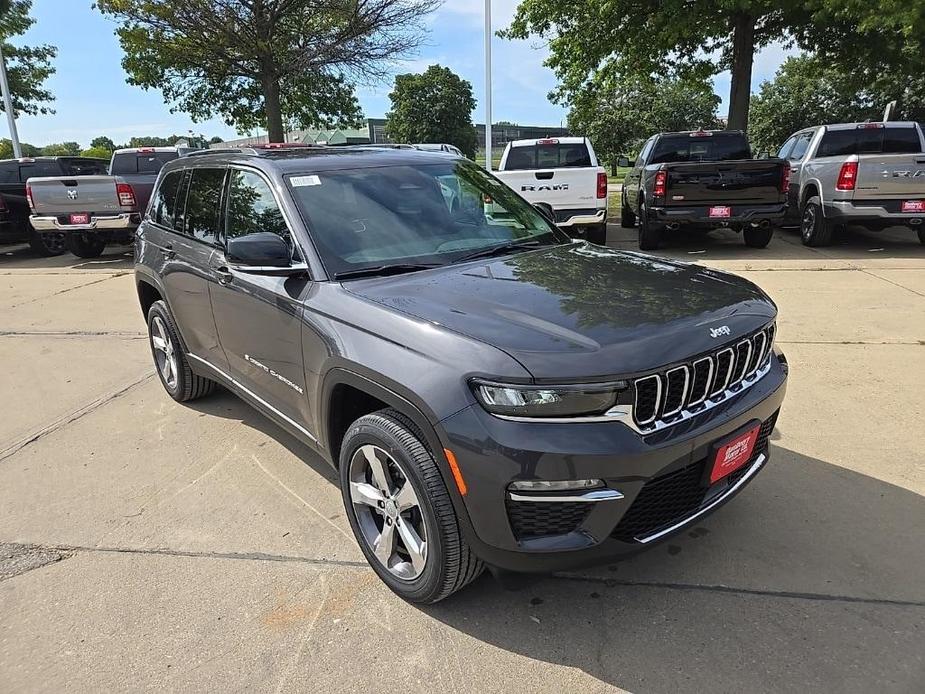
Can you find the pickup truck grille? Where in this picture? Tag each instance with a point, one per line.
(665, 397)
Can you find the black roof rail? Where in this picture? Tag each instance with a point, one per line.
(222, 150)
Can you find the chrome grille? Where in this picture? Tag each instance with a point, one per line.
(663, 398)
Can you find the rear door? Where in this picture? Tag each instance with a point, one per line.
(259, 318)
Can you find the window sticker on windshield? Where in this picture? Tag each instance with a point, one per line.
(301, 181)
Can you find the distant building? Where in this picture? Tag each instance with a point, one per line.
(373, 132)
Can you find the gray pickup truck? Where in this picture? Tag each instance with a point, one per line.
(866, 174)
(93, 211)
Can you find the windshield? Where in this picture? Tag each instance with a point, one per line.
(426, 214)
(715, 147)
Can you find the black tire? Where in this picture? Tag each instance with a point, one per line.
(758, 237)
(597, 234)
(815, 230)
(186, 385)
(48, 244)
(922, 236)
(627, 218)
(650, 236)
(449, 564)
(85, 245)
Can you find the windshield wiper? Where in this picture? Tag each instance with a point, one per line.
(497, 250)
(396, 269)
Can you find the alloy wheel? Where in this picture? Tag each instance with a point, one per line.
(164, 354)
(53, 242)
(388, 512)
(809, 222)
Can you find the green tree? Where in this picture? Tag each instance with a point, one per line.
(97, 153)
(706, 37)
(102, 142)
(61, 149)
(617, 112)
(27, 67)
(263, 62)
(6, 149)
(435, 106)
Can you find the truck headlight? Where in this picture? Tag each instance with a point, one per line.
(547, 401)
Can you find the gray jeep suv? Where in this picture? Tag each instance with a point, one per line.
(490, 391)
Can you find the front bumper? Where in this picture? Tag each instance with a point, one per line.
(873, 214)
(658, 477)
(741, 214)
(125, 221)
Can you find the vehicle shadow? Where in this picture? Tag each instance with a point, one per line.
(853, 243)
(787, 588)
(21, 257)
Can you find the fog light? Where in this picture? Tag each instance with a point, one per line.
(554, 485)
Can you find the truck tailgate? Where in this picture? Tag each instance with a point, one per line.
(745, 181)
(59, 196)
(890, 176)
(562, 188)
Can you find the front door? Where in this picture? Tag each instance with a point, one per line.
(259, 317)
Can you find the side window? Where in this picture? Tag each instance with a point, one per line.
(252, 207)
(203, 203)
(164, 205)
(800, 147)
(644, 154)
(9, 173)
(785, 148)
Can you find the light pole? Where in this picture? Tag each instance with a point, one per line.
(8, 105)
(488, 85)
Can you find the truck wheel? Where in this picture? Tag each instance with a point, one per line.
(85, 245)
(758, 237)
(47, 245)
(815, 230)
(400, 510)
(170, 358)
(921, 235)
(650, 236)
(627, 218)
(597, 234)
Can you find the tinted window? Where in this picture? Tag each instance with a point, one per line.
(799, 149)
(84, 167)
(164, 204)
(140, 162)
(252, 207)
(9, 172)
(645, 151)
(39, 168)
(875, 140)
(785, 148)
(548, 156)
(716, 147)
(203, 202)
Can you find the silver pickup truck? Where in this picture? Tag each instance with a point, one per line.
(93, 211)
(868, 174)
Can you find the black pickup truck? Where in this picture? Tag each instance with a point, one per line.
(703, 179)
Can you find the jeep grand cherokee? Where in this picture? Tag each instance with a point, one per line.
(490, 391)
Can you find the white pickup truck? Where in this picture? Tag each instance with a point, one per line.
(563, 176)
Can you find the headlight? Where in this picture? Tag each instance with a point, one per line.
(547, 401)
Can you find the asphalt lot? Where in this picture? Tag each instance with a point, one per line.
(150, 545)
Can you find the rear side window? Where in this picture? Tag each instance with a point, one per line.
(552, 155)
(9, 172)
(716, 147)
(203, 202)
(39, 168)
(167, 203)
(843, 143)
(799, 149)
(252, 207)
(140, 162)
(84, 167)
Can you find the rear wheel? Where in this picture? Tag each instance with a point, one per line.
(814, 229)
(757, 237)
(85, 245)
(597, 234)
(170, 359)
(650, 236)
(48, 244)
(400, 510)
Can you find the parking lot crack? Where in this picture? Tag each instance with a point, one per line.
(68, 289)
(17, 559)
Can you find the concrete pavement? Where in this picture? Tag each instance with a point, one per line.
(146, 545)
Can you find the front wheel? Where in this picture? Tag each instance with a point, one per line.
(758, 237)
(400, 510)
(85, 245)
(650, 236)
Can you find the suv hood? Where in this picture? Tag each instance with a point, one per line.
(579, 311)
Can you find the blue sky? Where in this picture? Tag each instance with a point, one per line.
(92, 97)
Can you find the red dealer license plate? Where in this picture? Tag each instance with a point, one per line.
(733, 453)
(721, 211)
(913, 205)
(80, 218)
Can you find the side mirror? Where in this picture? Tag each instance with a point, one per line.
(625, 162)
(261, 250)
(546, 210)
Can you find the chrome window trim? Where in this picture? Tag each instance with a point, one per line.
(687, 378)
(742, 481)
(706, 390)
(592, 496)
(658, 395)
(247, 391)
